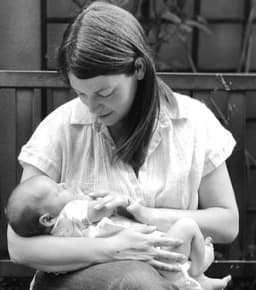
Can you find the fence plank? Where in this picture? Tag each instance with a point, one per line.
(7, 157)
(57, 97)
(178, 81)
(236, 164)
(24, 99)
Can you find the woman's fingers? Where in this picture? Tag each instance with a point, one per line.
(103, 202)
(144, 229)
(102, 193)
(97, 194)
(166, 242)
(156, 240)
(140, 245)
(165, 266)
(109, 201)
(169, 257)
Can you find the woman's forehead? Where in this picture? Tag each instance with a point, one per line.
(94, 85)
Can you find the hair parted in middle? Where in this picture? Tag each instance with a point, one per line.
(105, 39)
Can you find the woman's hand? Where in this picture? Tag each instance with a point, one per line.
(140, 243)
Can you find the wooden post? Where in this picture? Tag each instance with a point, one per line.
(20, 33)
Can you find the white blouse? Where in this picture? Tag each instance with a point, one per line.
(71, 146)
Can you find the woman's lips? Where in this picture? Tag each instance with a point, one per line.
(105, 115)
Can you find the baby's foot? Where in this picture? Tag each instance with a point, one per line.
(208, 241)
(213, 284)
(209, 253)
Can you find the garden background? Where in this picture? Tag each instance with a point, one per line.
(185, 36)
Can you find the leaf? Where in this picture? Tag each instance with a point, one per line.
(182, 37)
(201, 19)
(198, 25)
(186, 28)
(171, 17)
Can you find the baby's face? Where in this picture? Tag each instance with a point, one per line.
(58, 197)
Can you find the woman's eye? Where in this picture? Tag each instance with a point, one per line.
(106, 96)
(81, 95)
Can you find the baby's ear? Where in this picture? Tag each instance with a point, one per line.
(47, 220)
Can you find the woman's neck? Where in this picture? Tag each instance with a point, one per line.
(117, 132)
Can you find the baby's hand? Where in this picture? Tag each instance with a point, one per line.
(109, 200)
(95, 214)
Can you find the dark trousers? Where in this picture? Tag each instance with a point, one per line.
(123, 275)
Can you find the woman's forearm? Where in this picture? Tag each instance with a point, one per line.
(57, 254)
(219, 223)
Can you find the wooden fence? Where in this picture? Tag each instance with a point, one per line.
(26, 97)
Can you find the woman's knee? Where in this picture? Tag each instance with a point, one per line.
(123, 275)
(140, 276)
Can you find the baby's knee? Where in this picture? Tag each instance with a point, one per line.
(187, 226)
(187, 223)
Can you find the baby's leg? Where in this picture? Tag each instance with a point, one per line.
(199, 251)
(213, 283)
(193, 245)
(209, 254)
(206, 282)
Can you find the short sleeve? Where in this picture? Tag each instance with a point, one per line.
(44, 149)
(219, 142)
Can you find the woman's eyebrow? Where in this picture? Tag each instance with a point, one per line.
(96, 92)
(102, 90)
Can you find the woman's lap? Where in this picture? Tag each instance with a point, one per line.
(132, 275)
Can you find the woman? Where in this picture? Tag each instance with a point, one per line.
(126, 132)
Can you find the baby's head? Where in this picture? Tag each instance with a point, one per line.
(34, 204)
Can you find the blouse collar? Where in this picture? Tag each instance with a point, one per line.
(174, 108)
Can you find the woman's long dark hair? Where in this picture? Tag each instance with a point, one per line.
(106, 40)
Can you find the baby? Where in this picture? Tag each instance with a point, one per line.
(41, 206)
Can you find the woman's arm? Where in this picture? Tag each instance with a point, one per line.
(58, 254)
(49, 253)
(218, 214)
(61, 254)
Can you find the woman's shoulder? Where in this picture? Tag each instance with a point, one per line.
(181, 106)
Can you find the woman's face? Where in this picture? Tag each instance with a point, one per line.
(109, 97)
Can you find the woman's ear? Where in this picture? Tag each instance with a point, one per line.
(47, 220)
(140, 68)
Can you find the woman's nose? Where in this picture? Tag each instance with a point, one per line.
(93, 104)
